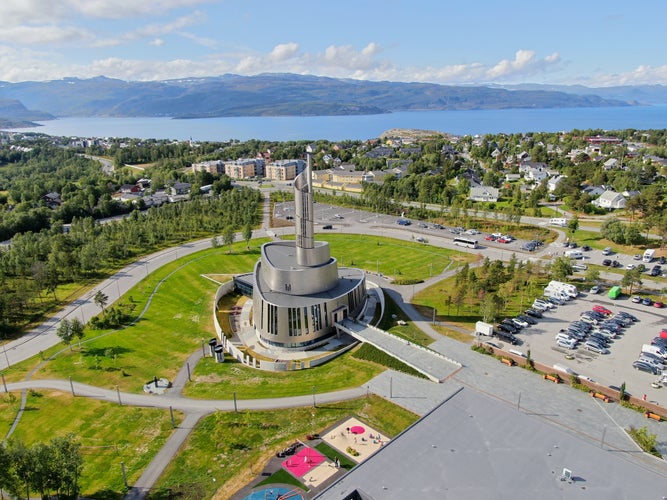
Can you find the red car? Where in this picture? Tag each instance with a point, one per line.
(490, 237)
(503, 240)
(658, 304)
(601, 309)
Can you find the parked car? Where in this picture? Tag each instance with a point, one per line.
(520, 322)
(490, 237)
(645, 367)
(628, 315)
(595, 289)
(636, 299)
(606, 262)
(510, 325)
(528, 319)
(567, 344)
(534, 313)
(327, 226)
(658, 304)
(507, 337)
(601, 309)
(500, 327)
(615, 263)
(589, 346)
(586, 248)
(647, 302)
(637, 257)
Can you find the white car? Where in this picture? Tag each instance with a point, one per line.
(520, 322)
(595, 289)
(630, 266)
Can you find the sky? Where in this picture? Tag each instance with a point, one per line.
(588, 42)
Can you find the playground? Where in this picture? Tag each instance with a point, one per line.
(355, 439)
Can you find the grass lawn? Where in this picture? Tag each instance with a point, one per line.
(406, 260)
(228, 450)
(108, 433)
(213, 380)
(392, 315)
(178, 318)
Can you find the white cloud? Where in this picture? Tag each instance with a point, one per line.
(152, 30)
(283, 51)
(641, 75)
(48, 34)
(524, 64)
(157, 42)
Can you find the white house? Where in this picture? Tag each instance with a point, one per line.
(552, 183)
(611, 163)
(610, 200)
(484, 193)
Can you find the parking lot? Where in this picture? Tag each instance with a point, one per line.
(607, 369)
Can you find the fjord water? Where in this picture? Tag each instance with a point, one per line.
(361, 127)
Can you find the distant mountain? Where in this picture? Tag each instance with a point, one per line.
(632, 94)
(274, 95)
(14, 114)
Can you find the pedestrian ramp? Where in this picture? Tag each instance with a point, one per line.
(437, 367)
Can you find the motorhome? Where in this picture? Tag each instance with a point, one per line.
(648, 255)
(574, 254)
(554, 285)
(558, 221)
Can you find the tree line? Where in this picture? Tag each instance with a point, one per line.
(49, 469)
(37, 263)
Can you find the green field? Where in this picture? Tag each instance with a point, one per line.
(109, 434)
(398, 259)
(228, 450)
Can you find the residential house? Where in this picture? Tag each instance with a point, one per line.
(611, 163)
(610, 200)
(484, 193)
(553, 182)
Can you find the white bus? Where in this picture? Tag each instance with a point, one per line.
(558, 221)
(465, 242)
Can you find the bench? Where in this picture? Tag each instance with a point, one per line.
(507, 361)
(654, 416)
(554, 378)
(599, 395)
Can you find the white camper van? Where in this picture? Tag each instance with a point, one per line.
(557, 221)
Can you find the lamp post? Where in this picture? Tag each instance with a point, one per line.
(314, 403)
(4, 349)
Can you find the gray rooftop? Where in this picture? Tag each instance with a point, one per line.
(473, 446)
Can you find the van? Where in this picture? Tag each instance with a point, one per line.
(574, 254)
(654, 349)
(606, 251)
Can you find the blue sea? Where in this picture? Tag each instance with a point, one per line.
(338, 128)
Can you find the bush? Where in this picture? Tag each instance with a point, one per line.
(645, 440)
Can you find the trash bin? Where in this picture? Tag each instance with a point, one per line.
(211, 346)
(219, 354)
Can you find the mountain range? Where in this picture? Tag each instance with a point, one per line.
(289, 94)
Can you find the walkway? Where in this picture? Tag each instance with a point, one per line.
(432, 364)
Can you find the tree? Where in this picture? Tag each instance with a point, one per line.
(247, 235)
(632, 278)
(592, 274)
(101, 300)
(573, 225)
(65, 333)
(561, 268)
(228, 237)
